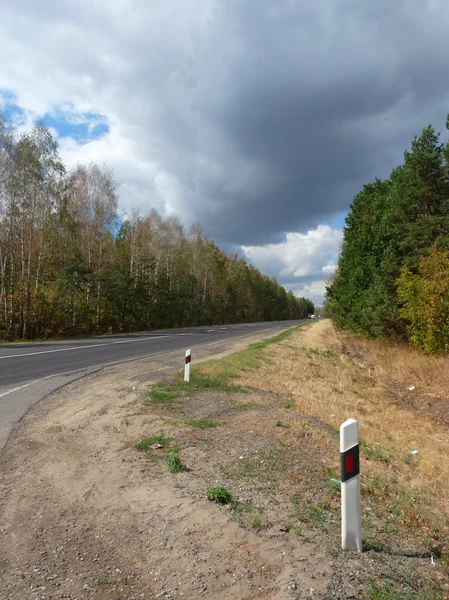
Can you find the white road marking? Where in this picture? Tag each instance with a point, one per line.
(83, 347)
(16, 389)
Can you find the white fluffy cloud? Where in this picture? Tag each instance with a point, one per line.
(301, 255)
(314, 290)
(300, 260)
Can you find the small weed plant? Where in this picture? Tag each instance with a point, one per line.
(220, 495)
(147, 443)
(201, 423)
(174, 462)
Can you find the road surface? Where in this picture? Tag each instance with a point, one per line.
(29, 371)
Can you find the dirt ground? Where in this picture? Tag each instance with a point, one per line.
(84, 515)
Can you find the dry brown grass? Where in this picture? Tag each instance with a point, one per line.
(335, 387)
(401, 363)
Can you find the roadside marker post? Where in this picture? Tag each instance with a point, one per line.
(351, 513)
(187, 365)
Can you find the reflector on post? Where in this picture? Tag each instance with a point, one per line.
(187, 365)
(351, 514)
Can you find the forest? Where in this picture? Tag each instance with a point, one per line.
(70, 264)
(392, 279)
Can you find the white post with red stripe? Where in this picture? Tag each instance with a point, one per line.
(187, 365)
(351, 512)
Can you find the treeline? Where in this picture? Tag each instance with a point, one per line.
(69, 265)
(393, 272)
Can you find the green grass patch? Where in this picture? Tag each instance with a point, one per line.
(311, 352)
(199, 382)
(220, 495)
(374, 451)
(174, 462)
(323, 508)
(317, 513)
(169, 452)
(371, 485)
(201, 423)
(147, 443)
(102, 580)
(160, 397)
(250, 404)
(400, 590)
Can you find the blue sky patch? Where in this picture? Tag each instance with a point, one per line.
(9, 107)
(338, 222)
(83, 127)
(65, 119)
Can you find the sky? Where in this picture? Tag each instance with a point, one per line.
(259, 119)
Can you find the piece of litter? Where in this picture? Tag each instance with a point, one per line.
(411, 388)
(432, 561)
(241, 457)
(413, 452)
(332, 415)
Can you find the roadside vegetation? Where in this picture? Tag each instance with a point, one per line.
(71, 265)
(392, 279)
(274, 458)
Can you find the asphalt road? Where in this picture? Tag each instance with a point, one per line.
(31, 370)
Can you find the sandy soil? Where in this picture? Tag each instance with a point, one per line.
(84, 515)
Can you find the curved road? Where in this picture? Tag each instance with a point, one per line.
(31, 370)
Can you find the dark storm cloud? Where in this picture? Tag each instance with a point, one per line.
(323, 99)
(254, 117)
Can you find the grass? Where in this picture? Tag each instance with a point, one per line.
(220, 495)
(398, 509)
(200, 423)
(310, 352)
(374, 451)
(147, 443)
(166, 392)
(160, 396)
(306, 512)
(389, 425)
(170, 453)
(102, 580)
(255, 520)
(216, 375)
(174, 463)
(252, 358)
(276, 339)
(400, 590)
(265, 466)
